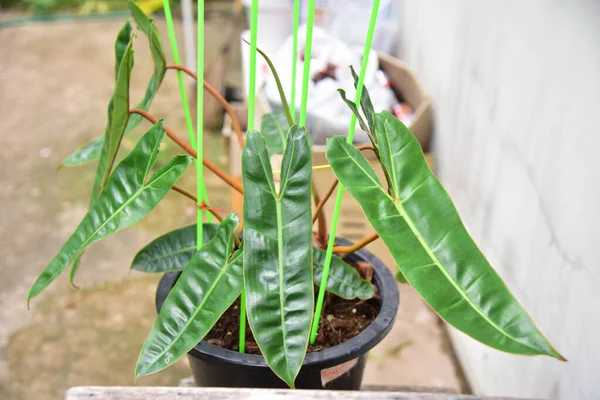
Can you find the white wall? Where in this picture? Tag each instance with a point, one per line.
(516, 90)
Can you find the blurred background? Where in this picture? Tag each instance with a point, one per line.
(502, 95)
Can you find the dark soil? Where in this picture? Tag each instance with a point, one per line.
(340, 320)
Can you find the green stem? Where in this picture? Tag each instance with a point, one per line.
(242, 343)
(322, 227)
(295, 57)
(284, 102)
(252, 83)
(340, 191)
(200, 125)
(182, 92)
(251, 101)
(307, 56)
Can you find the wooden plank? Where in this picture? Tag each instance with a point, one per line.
(183, 393)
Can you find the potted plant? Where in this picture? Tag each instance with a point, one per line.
(274, 262)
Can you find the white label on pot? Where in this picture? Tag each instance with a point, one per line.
(329, 374)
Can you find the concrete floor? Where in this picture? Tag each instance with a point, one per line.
(55, 82)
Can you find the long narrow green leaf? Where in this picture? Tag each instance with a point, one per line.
(84, 154)
(209, 284)
(343, 280)
(92, 150)
(284, 103)
(125, 200)
(171, 251)
(118, 117)
(424, 233)
(365, 103)
(121, 44)
(148, 26)
(359, 118)
(278, 251)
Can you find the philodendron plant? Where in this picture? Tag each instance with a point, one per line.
(278, 260)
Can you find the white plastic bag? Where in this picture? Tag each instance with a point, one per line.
(327, 114)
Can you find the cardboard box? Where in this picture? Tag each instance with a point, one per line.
(406, 85)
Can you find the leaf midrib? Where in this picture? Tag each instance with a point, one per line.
(281, 282)
(220, 275)
(136, 194)
(402, 212)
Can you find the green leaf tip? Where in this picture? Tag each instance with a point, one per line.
(419, 215)
(280, 317)
(126, 199)
(92, 150)
(343, 281)
(206, 288)
(365, 103)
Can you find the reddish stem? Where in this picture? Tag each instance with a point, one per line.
(215, 93)
(208, 164)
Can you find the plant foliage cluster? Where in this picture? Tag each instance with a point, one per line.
(279, 257)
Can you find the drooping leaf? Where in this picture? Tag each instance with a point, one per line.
(171, 251)
(107, 155)
(278, 251)
(207, 287)
(366, 104)
(92, 150)
(343, 280)
(118, 111)
(126, 199)
(359, 118)
(148, 27)
(423, 231)
(88, 152)
(274, 128)
(123, 39)
(284, 103)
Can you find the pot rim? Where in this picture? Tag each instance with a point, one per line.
(351, 349)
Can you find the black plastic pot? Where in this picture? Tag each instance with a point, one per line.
(340, 367)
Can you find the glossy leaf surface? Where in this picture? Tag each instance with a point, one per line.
(118, 110)
(126, 199)
(278, 251)
(423, 231)
(207, 287)
(148, 27)
(92, 150)
(171, 251)
(342, 280)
